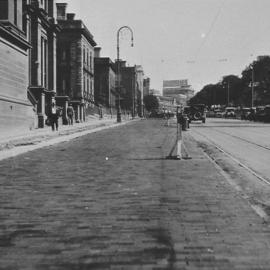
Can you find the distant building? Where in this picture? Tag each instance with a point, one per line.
(154, 92)
(140, 88)
(131, 88)
(104, 86)
(75, 65)
(167, 103)
(17, 106)
(174, 88)
(146, 86)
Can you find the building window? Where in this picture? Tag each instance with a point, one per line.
(15, 12)
(24, 16)
(83, 54)
(64, 86)
(64, 54)
(91, 59)
(44, 61)
(44, 4)
(3, 9)
(91, 86)
(46, 7)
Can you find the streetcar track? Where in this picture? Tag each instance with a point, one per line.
(242, 139)
(249, 169)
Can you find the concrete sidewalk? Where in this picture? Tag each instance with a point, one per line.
(45, 136)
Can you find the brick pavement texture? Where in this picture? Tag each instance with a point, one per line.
(20, 137)
(110, 200)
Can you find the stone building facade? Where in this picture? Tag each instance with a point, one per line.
(146, 86)
(16, 110)
(131, 88)
(105, 92)
(41, 31)
(75, 65)
(178, 89)
(140, 88)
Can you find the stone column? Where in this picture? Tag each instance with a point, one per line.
(52, 61)
(41, 110)
(77, 113)
(81, 113)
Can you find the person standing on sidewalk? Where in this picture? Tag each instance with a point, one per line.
(54, 117)
(70, 114)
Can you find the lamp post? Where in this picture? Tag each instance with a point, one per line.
(252, 86)
(228, 92)
(226, 86)
(118, 69)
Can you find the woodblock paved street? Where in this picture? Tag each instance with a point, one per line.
(110, 200)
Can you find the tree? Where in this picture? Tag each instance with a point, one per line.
(151, 103)
(209, 95)
(232, 89)
(236, 91)
(261, 75)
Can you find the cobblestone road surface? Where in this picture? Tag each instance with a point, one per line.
(110, 200)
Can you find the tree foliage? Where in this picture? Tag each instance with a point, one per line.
(236, 91)
(151, 103)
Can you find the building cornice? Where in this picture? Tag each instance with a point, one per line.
(14, 38)
(105, 61)
(77, 26)
(41, 14)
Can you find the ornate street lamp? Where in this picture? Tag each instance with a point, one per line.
(118, 69)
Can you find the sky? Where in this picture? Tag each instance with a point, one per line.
(198, 40)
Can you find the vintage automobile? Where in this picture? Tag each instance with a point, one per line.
(195, 112)
(257, 114)
(230, 112)
(245, 112)
(263, 113)
(267, 113)
(219, 113)
(210, 113)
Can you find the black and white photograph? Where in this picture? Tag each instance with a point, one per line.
(134, 135)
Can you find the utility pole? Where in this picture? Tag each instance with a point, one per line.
(252, 86)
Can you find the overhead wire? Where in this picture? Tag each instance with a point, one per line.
(210, 30)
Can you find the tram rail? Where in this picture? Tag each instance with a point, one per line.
(236, 160)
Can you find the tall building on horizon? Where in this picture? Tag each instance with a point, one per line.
(180, 89)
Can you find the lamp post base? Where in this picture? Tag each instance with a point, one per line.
(119, 120)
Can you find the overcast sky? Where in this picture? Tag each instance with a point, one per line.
(198, 40)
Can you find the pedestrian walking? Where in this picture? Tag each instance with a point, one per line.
(70, 114)
(54, 117)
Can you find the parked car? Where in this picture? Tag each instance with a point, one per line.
(244, 113)
(263, 113)
(196, 112)
(219, 113)
(257, 114)
(156, 114)
(210, 113)
(230, 112)
(267, 113)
